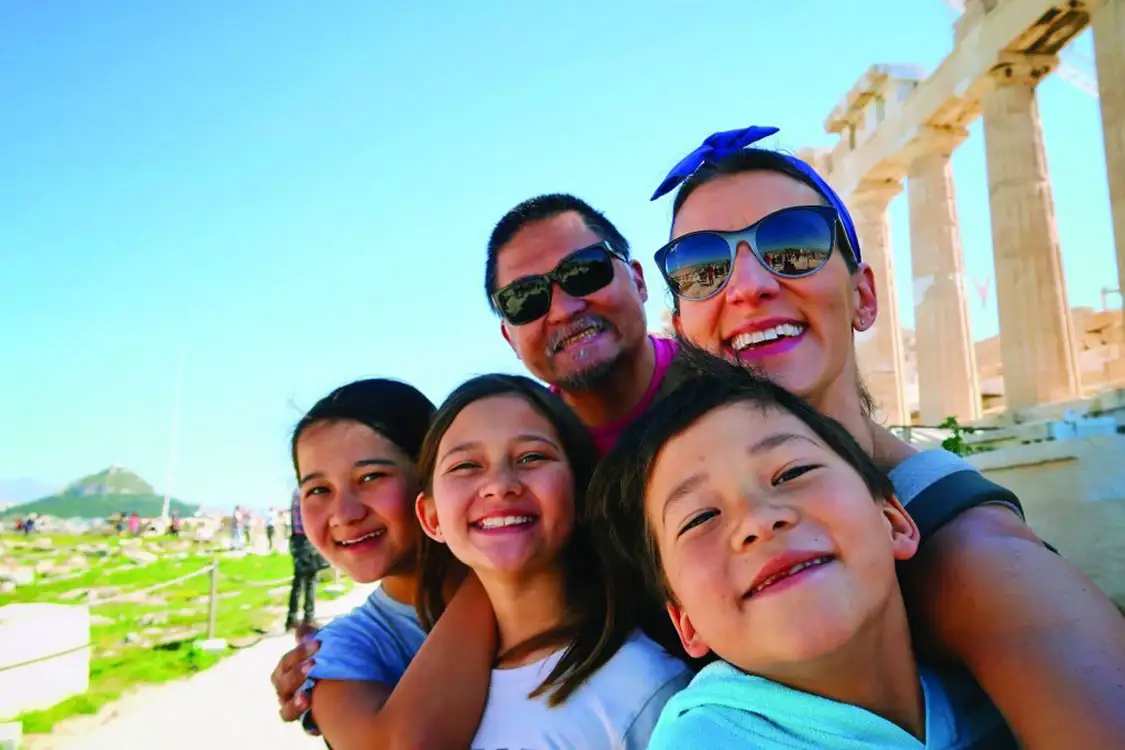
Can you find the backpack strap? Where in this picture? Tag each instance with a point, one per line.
(952, 495)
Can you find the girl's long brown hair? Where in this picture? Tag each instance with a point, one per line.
(589, 624)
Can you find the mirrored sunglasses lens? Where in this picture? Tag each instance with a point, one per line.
(795, 243)
(523, 302)
(585, 273)
(697, 266)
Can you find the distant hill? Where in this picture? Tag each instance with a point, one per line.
(98, 506)
(113, 490)
(111, 481)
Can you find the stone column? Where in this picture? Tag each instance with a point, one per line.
(1108, 20)
(1036, 340)
(947, 363)
(882, 366)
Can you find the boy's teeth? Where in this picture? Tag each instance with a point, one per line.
(499, 522)
(791, 571)
(363, 538)
(743, 340)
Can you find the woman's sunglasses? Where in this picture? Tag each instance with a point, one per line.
(582, 272)
(790, 243)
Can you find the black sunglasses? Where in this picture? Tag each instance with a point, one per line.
(789, 243)
(582, 272)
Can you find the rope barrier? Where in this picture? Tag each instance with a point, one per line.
(278, 582)
(150, 589)
(47, 657)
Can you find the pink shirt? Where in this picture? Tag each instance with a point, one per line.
(605, 435)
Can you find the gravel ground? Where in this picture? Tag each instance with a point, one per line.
(231, 705)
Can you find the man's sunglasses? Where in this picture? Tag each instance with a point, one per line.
(582, 272)
(790, 243)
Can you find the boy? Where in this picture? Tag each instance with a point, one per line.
(772, 539)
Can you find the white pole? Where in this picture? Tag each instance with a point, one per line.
(172, 440)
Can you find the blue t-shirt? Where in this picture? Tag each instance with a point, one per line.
(724, 708)
(375, 642)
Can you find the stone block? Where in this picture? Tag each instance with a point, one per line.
(1115, 371)
(1073, 492)
(44, 655)
(1102, 320)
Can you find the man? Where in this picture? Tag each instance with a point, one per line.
(306, 563)
(584, 331)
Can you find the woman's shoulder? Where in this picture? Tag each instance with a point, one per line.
(936, 486)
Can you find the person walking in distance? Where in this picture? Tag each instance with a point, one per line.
(306, 563)
(271, 519)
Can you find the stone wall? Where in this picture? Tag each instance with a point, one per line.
(1073, 493)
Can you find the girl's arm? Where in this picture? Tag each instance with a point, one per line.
(439, 700)
(1039, 636)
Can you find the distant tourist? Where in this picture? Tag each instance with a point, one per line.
(134, 523)
(236, 528)
(271, 520)
(306, 563)
(174, 524)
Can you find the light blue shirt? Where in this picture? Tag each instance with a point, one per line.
(724, 709)
(375, 642)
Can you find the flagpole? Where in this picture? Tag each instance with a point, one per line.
(172, 440)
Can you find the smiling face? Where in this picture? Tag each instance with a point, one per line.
(503, 490)
(798, 331)
(357, 499)
(771, 544)
(580, 340)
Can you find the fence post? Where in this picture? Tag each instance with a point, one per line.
(213, 604)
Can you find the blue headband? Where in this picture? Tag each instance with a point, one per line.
(719, 146)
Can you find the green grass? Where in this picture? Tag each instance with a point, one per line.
(244, 612)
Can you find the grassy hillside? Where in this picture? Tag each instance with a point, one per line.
(148, 505)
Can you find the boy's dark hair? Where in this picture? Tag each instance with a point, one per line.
(591, 642)
(397, 411)
(704, 383)
(540, 208)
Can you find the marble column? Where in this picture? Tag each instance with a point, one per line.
(883, 365)
(1108, 22)
(1036, 339)
(947, 367)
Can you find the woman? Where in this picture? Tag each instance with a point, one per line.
(765, 266)
(505, 467)
(371, 680)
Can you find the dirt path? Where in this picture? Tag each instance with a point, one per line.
(231, 705)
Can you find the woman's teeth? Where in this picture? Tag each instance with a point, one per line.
(499, 522)
(745, 340)
(364, 538)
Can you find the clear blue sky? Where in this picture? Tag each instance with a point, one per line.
(298, 194)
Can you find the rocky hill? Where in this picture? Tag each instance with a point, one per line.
(111, 481)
